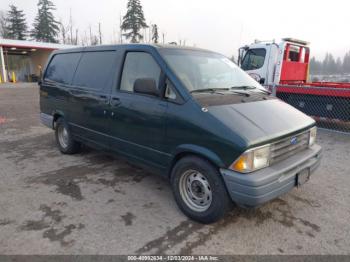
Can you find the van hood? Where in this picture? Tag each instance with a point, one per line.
(261, 121)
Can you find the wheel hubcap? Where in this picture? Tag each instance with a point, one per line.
(195, 190)
(63, 136)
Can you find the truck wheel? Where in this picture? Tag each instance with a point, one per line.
(64, 139)
(199, 190)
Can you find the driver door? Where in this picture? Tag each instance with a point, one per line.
(255, 63)
(137, 126)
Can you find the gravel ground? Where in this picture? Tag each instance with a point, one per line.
(93, 203)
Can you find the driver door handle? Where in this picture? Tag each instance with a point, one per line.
(115, 101)
(104, 99)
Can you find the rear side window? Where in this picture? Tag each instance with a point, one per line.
(62, 67)
(95, 70)
(138, 65)
(254, 59)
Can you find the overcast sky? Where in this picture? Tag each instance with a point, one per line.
(219, 25)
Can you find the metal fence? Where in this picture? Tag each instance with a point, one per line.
(330, 107)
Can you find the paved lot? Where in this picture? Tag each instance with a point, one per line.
(92, 203)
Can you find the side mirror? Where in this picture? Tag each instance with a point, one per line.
(262, 81)
(240, 56)
(147, 86)
(241, 52)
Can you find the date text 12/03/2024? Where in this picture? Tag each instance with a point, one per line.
(172, 258)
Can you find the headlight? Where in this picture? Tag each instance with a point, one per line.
(312, 138)
(252, 159)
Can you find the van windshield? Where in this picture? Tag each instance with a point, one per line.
(201, 70)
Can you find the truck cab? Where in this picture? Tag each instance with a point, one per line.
(283, 68)
(272, 63)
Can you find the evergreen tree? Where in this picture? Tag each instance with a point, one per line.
(16, 26)
(314, 66)
(338, 66)
(329, 65)
(46, 28)
(3, 25)
(155, 35)
(346, 63)
(325, 64)
(133, 21)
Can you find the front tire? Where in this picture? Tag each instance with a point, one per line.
(64, 139)
(199, 190)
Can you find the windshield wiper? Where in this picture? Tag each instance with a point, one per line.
(265, 91)
(209, 90)
(243, 87)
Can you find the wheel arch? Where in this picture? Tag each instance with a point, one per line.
(56, 115)
(194, 150)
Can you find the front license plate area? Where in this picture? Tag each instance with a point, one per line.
(303, 176)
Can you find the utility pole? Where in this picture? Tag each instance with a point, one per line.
(120, 28)
(76, 37)
(163, 36)
(71, 26)
(3, 67)
(100, 32)
(150, 32)
(90, 35)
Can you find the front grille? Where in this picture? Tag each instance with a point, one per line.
(286, 148)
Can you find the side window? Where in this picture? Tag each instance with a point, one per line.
(169, 91)
(62, 67)
(254, 59)
(95, 70)
(138, 65)
(294, 54)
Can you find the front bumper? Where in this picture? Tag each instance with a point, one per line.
(256, 188)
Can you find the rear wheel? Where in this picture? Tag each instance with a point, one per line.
(64, 139)
(199, 190)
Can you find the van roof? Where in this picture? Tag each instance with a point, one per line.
(113, 47)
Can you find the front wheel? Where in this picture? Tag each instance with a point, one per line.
(64, 139)
(199, 190)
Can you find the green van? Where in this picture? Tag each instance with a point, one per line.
(189, 114)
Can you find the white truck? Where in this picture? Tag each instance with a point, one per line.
(284, 69)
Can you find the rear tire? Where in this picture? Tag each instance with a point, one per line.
(199, 190)
(64, 138)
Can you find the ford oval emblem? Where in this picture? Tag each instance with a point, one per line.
(293, 140)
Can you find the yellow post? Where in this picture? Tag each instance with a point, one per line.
(308, 73)
(0, 79)
(13, 77)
